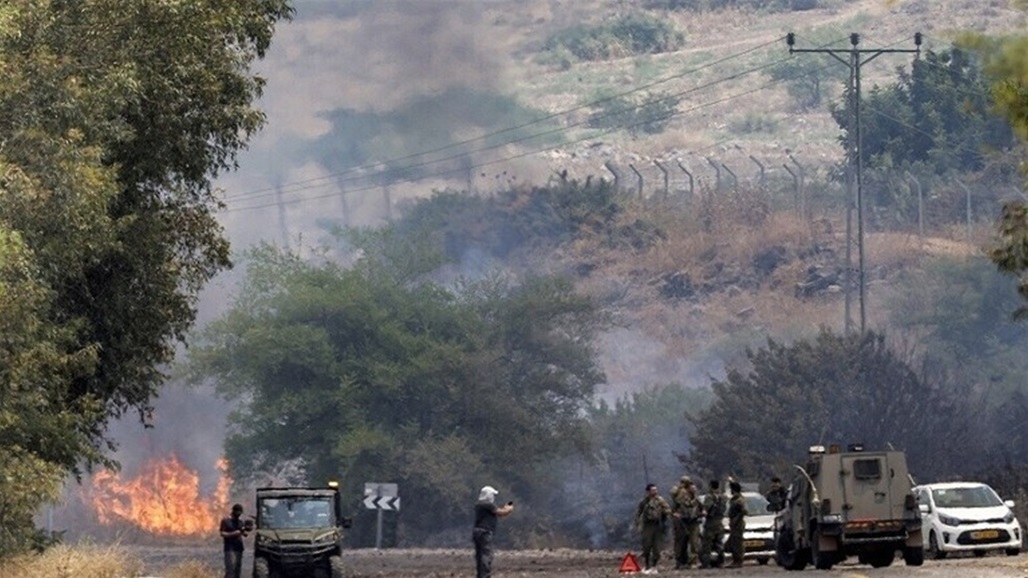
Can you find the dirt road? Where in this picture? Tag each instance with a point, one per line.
(457, 563)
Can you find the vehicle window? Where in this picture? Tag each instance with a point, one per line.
(970, 497)
(296, 513)
(756, 505)
(867, 469)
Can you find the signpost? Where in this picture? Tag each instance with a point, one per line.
(381, 496)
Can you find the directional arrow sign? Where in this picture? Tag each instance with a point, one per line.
(382, 503)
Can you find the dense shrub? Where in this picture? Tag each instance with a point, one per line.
(629, 35)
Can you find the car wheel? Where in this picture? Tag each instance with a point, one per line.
(1012, 551)
(933, 547)
(762, 561)
(979, 553)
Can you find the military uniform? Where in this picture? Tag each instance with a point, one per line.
(714, 505)
(685, 507)
(736, 525)
(651, 519)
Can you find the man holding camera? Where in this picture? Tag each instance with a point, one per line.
(233, 530)
(486, 514)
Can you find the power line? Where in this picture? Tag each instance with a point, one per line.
(551, 116)
(538, 150)
(855, 58)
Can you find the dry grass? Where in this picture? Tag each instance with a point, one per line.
(93, 561)
(85, 561)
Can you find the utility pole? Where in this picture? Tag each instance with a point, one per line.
(854, 58)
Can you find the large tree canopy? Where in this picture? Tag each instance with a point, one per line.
(938, 114)
(116, 115)
(831, 389)
(359, 376)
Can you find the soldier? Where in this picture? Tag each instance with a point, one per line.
(736, 524)
(713, 526)
(776, 496)
(651, 520)
(685, 509)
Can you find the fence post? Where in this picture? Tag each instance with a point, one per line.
(920, 203)
(692, 189)
(639, 176)
(717, 174)
(614, 170)
(667, 178)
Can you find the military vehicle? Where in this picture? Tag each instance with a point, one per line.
(849, 503)
(299, 532)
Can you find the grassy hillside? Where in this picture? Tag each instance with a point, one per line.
(727, 268)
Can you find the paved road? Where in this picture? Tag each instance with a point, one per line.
(458, 563)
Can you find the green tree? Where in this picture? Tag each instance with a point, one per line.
(1006, 64)
(37, 432)
(830, 389)
(939, 113)
(360, 376)
(116, 116)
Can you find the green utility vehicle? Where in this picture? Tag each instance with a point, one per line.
(852, 503)
(299, 532)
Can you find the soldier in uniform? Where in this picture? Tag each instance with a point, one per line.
(685, 509)
(776, 495)
(651, 519)
(736, 523)
(714, 505)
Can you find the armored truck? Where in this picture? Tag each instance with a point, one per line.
(849, 503)
(299, 532)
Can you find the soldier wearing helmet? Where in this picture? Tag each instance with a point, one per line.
(685, 510)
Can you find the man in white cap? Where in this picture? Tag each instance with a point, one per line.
(486, 514)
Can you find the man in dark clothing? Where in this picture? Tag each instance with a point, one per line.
(776, 496)
(486, 514)
(232, 533)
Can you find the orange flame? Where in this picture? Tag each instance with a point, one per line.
(164, 498)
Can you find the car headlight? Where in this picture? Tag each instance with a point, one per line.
(1009, 518)
(831, 519)
(949, 521)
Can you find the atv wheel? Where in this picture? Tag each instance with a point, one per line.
(336, 565)
(261, 568)
(913, 555)
(979, 553)
(933, 547)
(1012, 551)
(762, 561)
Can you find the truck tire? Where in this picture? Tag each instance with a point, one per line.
(335, 564)
(787, 555)
(913, 555)
(261, 569)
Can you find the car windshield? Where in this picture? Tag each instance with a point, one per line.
(969, 497)
(756, 505)
(296, 512)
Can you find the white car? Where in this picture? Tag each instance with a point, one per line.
(758, 539)
(966, 517)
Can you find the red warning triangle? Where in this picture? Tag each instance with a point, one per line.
(629, 564)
